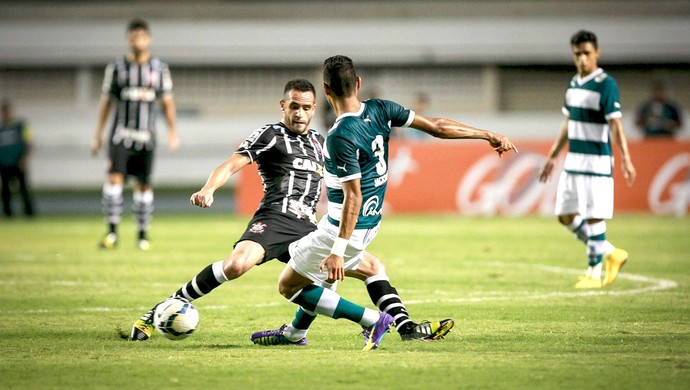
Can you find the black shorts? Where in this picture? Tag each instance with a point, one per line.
(131, 162)
(275, 231)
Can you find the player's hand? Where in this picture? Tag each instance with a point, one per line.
(629, 172)
(202, 199)
(173, 141)
(546, 170)
(95, 146)
(502, 144)
(336, 267)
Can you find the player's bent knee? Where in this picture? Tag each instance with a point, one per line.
(234, 267)
(287, 286)
(241, 260)
(290, 283)
(286, 291)
(566, 219)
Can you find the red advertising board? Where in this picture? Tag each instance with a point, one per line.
(468, 178)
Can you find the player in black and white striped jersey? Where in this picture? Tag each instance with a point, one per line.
(132, 86)
(290, 159)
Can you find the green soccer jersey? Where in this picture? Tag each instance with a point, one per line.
(357, 148)
(590, 103)
(14, 138)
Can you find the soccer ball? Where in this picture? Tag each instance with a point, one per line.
(176, 318)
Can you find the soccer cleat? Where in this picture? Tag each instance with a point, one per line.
(429, 330)
(588, 282)
(275, 337)
(143, 327)
(109, 241)
(614, 262)
(143, 244)
(374, 334)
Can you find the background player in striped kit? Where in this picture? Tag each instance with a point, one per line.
(133, 85)
(356, 177)
(584, 197)
(290, 159)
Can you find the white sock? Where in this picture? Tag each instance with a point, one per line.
(293, 334)
(596, 271)
(369, 318)
(608, 248)
(579, 228)
(595, 247)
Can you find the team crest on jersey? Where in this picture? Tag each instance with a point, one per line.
(258, 228)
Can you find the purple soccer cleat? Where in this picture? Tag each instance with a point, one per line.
(275, 337)
(374, 334)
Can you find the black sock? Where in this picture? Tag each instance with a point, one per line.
(205, 281)
(386, 298)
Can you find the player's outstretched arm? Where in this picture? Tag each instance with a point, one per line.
(219, 176)
(449, 129)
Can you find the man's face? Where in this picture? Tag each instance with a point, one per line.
(139, 40)
(586, 58)
(298, 107)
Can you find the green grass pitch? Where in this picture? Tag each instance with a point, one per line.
(507, 282)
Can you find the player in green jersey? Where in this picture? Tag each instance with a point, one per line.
(584, 197)
(356, 176)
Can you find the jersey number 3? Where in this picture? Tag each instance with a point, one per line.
(378, 149)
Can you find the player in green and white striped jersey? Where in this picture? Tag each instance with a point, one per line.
(584, 197)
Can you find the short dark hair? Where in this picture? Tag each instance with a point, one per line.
(301, 85)
(583, 36)
(136, 24)
(340, 76)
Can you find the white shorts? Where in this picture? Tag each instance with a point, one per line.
(589, 196)
(307, 253)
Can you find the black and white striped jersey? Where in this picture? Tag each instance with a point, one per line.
(136, 89)
(290, 166)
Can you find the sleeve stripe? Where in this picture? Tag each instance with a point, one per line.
(410, 119)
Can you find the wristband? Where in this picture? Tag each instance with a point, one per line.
(339, 246)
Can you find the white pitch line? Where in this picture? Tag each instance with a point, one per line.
(653, 284)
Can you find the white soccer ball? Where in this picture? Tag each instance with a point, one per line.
(176, 318)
